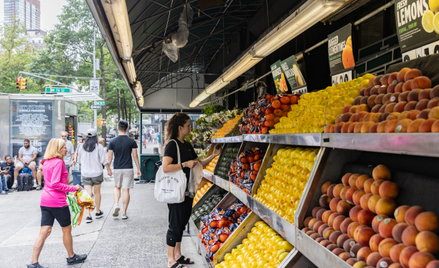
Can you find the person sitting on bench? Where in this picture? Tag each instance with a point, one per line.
(26, 156)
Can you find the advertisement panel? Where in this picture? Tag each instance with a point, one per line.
(278, 77)
(33, 120)
(292, 73)
(416, 22)
(341, 55)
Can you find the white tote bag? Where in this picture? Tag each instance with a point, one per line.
(170, 187)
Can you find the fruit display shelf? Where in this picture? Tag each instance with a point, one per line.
(233, 139)
(225, 184)
(305, 139)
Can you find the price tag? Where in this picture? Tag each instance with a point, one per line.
(423, 51)
(341, 77)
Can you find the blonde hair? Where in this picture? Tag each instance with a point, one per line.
(54, 149)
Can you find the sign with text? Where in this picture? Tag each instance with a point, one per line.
(57, 90)
(426, 50)
(292, 72)
(341, 55)
(300, 90)
(95, 107)
(341, 77)
(94, 86)
(100, 103)
(278, 77)
(415, 22)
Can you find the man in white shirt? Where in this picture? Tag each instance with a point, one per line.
(70, 151)
(26, 159)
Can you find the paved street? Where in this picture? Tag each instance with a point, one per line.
(136, 242)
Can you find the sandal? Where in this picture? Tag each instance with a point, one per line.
(177, 265)
(184, 260)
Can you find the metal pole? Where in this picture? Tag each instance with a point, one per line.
(94, 77)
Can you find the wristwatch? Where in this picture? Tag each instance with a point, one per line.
(183, 165)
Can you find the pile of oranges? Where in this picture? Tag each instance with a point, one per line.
(212, 165)
(227, 127)
(201, 192)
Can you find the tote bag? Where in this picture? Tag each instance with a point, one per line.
(170, 187)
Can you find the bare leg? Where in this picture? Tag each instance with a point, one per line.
(16, 172)
(125, 200)
(177, 251)
(68, 240)
(97, 191)
(39, 242)
(39, 177)
(171, 258)
(34, 171)
(116, 194)
(88, 189)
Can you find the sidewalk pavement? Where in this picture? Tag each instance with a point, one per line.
(109, 242)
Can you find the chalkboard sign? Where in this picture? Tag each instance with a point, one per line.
(33, 120)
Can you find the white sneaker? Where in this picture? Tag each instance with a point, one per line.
(35, 185)
(14, 186)
(116, 211)
(124, 216)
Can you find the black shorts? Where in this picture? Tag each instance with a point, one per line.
(62, 216)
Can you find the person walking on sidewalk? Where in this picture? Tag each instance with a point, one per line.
(177, 128)
(76, 173)
(124, 149)
(54, 204)
(91, 156)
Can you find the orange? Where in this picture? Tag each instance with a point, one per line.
(348, 57)
(349, 42)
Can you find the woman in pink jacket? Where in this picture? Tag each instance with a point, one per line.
(54, 204)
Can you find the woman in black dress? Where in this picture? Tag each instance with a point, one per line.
(177, 128)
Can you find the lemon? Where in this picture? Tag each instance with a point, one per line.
(436, 23)
(427, 21)
(434, 5)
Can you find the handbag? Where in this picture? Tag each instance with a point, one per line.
(170, 187)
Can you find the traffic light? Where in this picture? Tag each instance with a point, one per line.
(21, 83)
(18, 82)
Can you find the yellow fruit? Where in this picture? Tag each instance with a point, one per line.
(427, 21)
(436, 23)
(434, 5)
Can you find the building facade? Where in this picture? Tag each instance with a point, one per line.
(27, 11)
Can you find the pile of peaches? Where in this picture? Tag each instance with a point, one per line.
(398, 102)
(359, 221)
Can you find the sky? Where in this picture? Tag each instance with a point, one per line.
(50, 9)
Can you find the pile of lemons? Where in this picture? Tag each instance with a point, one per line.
(212, 164)
(227, 127)
(317, 109)
(430, 18)
(285, 180)
(263, 247)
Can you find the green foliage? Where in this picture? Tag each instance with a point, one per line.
(210, 109)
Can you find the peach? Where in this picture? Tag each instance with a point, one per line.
(384, 262)
(433, 103)
(395, 252)
(324, 201)
(400, 213)
(350, 195)
(386, 227)
(376, 108)
(314, 236)
(394, 97)
(402, 115)
(422, 105)
(385, 79)
(375, 241)
(424, 94)
(420, 259)
(325, 242)
(386, 99)
(403, 96)
(409, 236)
(325, 187)
(320, 214)
(327, 128)
(320, 239)
(407, 86)
(411, 74)
(363, 253)
(364, 201)
(386, 206)
(371, 101)
(306, 221)
(345, 179)
(343, 207)
(432, 264)
(399, 107)
(415, 125)
(402, 125)
(412, 213)
(314, 211)
(427, 241)
(385, 246)
(348, 244)
(375, 187)
(353, 117)
(393, 116)
(390, 126)
(343, 192)
(354, 249)
(413, 95)
(400, 78)
(367, 186)
(338, 127)
(398, 87)
(367, 126)
(383, 108)
(413, 114)
(352, 179)
(427, 125)
(373, 258)
(381, 127)
(312, 222)
(327, 232)
(359, 183)
(317, 225)
(360, 116)
(351, 261)
(345, 225)
(377, 80)
(332, 129)
(365, 98)
(434, 113)
(338, 251)
(333, 204)
(357, 197)
(355, 103)
(359, 264)
(434, 92)
(332, 218)
(346, 109)
(334, 236)
(427, 221)
(376, 222)
(337, 190)
(405, 255)
(357, 231)
(424, 114)
(337, 222)
(344, 256)
(391, 88)
(306, 229)
(325, 216)
(388, 189)
(390, 108)
(331, 247)
(351, 228)
(381, 172)
(397, 231)
(392, 78)
(322, 228)
(421, 82)
(365, 217)
(358, 127)
(362, 108)
(364, 236)
(379, 99)
(341, 239)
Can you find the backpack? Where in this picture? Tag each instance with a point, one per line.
(25, 182)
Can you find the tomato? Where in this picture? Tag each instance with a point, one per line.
(267, 97)
(214, 248)
(214, 224)
(285, 108)
(244, 160)
(264, 130)
(294, 99)
(269, 117)
(205, 230)
(278, 112)
(276, 120)
(285, 100)
(245, 166)
(253, 177)
(250, 159)
(276, 104)
(269, 111)
(223, 237)
(258, 157)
